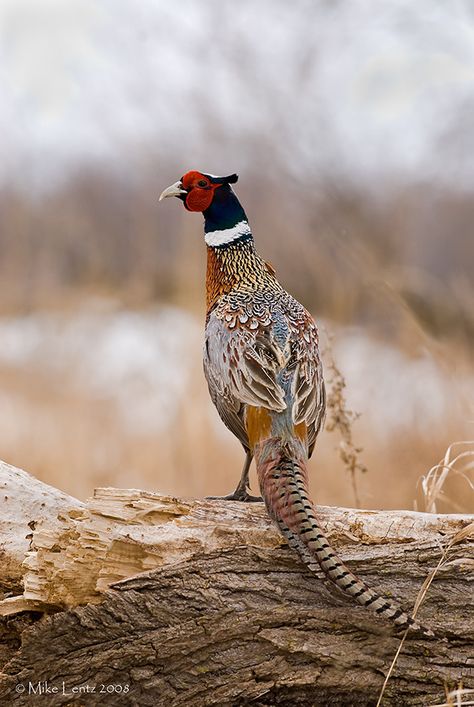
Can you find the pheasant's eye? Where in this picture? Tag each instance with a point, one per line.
(202, 183)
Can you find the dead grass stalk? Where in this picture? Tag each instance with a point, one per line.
(460, 463)
(458, 537)
(341, 419)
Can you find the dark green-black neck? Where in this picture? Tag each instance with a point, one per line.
(225, 221)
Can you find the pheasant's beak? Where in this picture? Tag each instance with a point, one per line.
(175, 189)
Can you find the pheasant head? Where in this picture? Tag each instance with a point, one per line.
(224, 218)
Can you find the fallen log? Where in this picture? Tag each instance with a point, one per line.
(136, 598)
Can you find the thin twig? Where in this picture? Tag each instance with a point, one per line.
(341, 418)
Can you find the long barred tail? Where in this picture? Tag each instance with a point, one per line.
(282, 474)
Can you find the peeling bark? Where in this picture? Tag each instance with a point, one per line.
(166, 601)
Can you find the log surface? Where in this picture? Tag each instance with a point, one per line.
(135, 598)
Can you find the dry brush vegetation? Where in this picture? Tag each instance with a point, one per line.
(388, 270)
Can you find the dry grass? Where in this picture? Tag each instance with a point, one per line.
(432, 485)
(68, 436)
(455, 463)
(340, 419)
(466, 532)
(348, 259)
(457, 698)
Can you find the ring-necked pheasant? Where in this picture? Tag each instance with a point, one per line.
(262, 365)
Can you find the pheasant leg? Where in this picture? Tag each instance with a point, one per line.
(241, 493)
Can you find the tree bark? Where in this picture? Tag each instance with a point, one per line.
(136, 598)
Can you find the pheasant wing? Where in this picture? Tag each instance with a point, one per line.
(241, 368)
(308, 391)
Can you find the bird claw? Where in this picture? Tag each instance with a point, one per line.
(237, 495)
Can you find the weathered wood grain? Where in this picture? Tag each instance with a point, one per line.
(185, 602)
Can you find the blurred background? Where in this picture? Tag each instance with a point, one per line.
(351, 125)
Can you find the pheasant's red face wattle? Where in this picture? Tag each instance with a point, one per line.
(200, 191)
(197, 190)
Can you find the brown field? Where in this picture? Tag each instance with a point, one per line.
(83, 259)
(77, 441)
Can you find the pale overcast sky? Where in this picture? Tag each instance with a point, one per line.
(356, 88)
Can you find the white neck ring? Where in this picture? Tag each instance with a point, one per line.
(227, 235)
